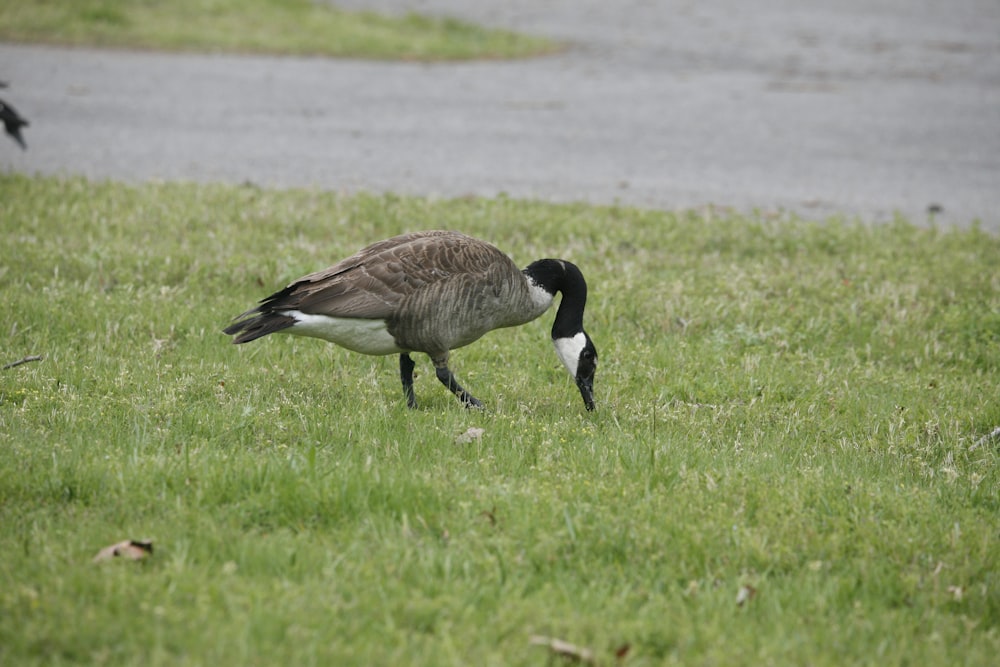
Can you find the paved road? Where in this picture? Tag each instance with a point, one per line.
(863, 107)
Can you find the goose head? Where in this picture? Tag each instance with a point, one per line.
(579, 356)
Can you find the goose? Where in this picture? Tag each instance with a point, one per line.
(429, 292)
(13, 122)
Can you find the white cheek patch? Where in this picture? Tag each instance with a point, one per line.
(541, 299)
(569, 350)
(365, 336)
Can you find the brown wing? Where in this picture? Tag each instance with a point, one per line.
(372, 283)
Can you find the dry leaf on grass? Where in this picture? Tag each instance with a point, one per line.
(129, 550)
(565, 650)
(745, 594)
(473, 433)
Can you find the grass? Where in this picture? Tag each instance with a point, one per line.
(784, 405)
(287, 27)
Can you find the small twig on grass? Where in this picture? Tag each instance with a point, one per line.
(995, 433)
(34, 357)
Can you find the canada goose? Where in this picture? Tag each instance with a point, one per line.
(429, 292)
(13, 122)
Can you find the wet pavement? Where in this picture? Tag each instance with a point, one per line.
(866, 108)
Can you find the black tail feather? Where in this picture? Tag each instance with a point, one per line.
(13, 122)
(258, 326)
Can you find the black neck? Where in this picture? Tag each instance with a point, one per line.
(557, 275)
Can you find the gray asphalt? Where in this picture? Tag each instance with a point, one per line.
(860, 107)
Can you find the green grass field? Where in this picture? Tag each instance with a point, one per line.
(782, 405)
(288, 27)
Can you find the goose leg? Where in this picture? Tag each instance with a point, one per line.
(447, 378)
(406, 375)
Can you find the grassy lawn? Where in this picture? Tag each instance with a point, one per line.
(291, 27)
(786, 407)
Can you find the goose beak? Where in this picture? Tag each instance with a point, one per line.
(586, 369)
(586, 385)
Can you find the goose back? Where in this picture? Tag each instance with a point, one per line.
(458, 310)
(435, 290)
